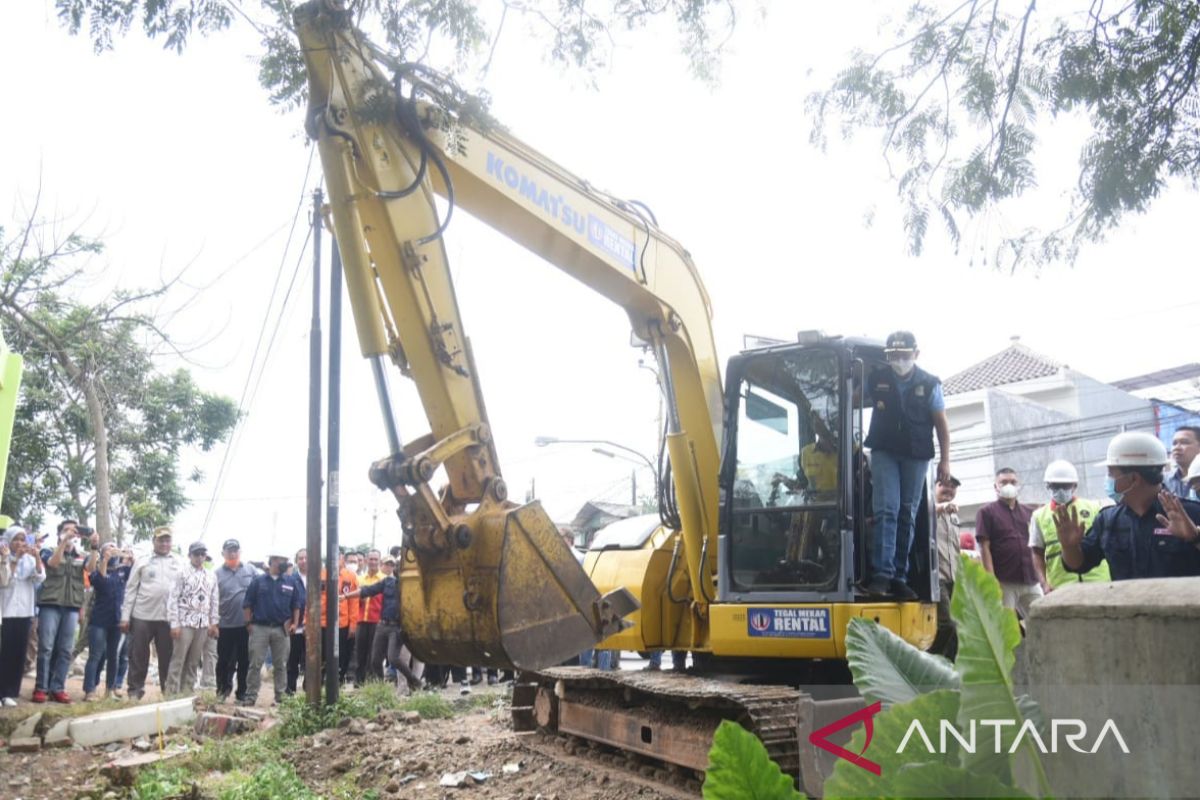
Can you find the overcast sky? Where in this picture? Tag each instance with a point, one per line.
(180, 161)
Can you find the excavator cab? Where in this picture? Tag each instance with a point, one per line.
(795, 516)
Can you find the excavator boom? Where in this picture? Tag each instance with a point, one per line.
(487, 582)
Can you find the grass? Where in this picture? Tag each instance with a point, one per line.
(252, 767)
(272, 781)
(164, 783)
(430, 705)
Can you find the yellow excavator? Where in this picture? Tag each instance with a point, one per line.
(753, 564)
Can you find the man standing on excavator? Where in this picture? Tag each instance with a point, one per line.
(907, 406)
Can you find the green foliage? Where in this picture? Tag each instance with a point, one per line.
(298, 718)
(960, 95)
(164, 783)
(889, 670)
(988, 635)
(889, 729)
(430, 705)
(739, 768)
(274, 780)
(109, 348)
(980, 688)
(244, 753)
(580, 33)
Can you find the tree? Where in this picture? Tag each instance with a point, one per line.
(961, 93)
(579, 31)
(98, 429)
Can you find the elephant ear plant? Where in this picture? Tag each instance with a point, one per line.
(913, 687)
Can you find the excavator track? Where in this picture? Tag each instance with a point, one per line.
(657, 723)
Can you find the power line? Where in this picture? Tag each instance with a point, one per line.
(242, 406)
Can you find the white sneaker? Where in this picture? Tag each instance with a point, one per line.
(9, 702)
(465, 688)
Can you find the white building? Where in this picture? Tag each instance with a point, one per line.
(1022, 410)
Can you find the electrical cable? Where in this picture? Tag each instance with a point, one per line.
(242, 406)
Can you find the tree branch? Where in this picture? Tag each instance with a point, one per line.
(1012, 86)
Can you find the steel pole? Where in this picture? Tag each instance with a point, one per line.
(312, 644)
(333, 443)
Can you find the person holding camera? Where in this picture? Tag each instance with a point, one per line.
(58, 612)
(18, 604)
(104, 625)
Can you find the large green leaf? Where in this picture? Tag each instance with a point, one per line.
(943, 780)
(988, 634)
(890, 728)
(888, 669)
(739, 768)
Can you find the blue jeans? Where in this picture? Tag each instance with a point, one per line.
(897, 485)
(605, 659)
(104, 645)
(122, 660)
(56, 639)
(678, 659)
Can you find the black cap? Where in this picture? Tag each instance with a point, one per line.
(197, 547)
(901, 340)
(952, 481)
(231, 544)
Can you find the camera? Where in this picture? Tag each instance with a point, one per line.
(84, 530)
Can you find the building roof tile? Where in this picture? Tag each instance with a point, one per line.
(1014, 364)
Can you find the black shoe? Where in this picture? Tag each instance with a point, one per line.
(879, 586)
(902, 592)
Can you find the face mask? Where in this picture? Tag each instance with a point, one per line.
(1062, 496)
(901, 366)
(1008, 491)
(231, 562)
(1110, 488)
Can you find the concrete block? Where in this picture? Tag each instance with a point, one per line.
(1125, 651)
(130, 723)
(59, 734)
(221, 725)
(26, 744)
(27, 727)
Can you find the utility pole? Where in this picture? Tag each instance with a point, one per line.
(312, 627)
(334, 444)
(633, 487)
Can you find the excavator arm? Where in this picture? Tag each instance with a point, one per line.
(487, 582)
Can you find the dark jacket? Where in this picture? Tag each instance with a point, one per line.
(901, 418)
(389, 587)
(1139, 547)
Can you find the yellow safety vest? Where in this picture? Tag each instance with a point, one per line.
(1057, 574)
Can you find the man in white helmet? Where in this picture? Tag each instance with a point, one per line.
(1149, 533)
(1061, 481)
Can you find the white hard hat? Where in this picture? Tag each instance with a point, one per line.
(1193, 471)
(1136, 449)
(1061, 472)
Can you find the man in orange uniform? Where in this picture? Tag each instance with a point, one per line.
(347, 614)
(369, 610)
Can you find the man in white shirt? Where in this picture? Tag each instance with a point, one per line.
(193, 611)
(144, 613)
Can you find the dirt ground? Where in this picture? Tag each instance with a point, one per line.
(403, 761)
(391, 754)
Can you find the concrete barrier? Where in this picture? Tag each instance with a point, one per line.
(1128, 652)
(130, 723)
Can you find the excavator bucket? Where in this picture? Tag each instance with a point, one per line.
(513, 597)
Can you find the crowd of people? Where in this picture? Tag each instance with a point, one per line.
(208, 628)
(1148, 526)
